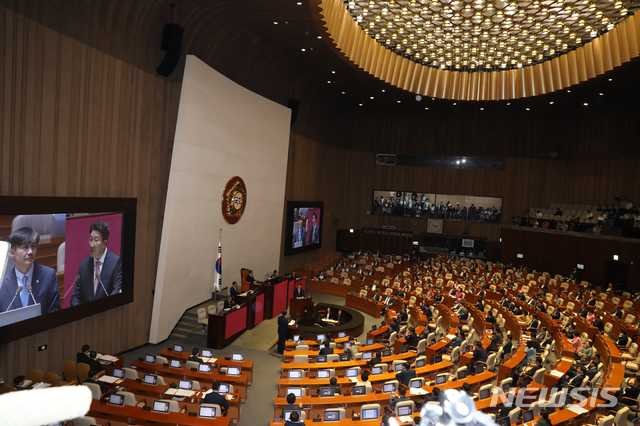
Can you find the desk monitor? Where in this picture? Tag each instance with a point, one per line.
(150, 379)
(370, 342)
(352, 372)
(321, 337)
(388, 387)
(175, 363)
(321, 358)
(370, 414)
(324, 374)
(421, 363)
(374, 327)
(398, 367)
(160, 406)
(204, 368)
(344, 357)
(484, 394)
(298, 392)
(342, 334)
(296, 337)
(479, 368)
(322, 346)
(327, 392)
(441, 379)
(527, 416)
(346, 345)
(367, 355)
(404, 410)
(404, 349)
(359, 390)
(116, 399)
(382, 324)
(178, 348)
(386, 352)
(233, 371)
(462, 374)
(185, 384)
(207, 412)
(376, 370)
(207, 353)
(504, 421)
(415, 383)
(224, 388)
(237, 357)
(287, 414)
(437, 359)
(294, 374)
(331, 416)
(150, 359)
(467, 348)
(118, 372)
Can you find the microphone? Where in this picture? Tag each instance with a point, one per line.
(100, 281)
(75, 283)
(29, 288)
(18, 290)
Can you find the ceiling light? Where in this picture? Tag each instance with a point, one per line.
(445, 34)
(333, 72)
(304, 50)
(275, 23)
(551, 103)
(585, 104)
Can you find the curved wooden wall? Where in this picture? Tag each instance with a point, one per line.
(77, 121)
(603, 54)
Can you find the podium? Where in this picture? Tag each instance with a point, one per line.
(299, 308)
(226, 327)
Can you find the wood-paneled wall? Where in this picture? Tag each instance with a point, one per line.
(345, 181)
(80, 122)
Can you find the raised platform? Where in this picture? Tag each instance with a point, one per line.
(353, 327)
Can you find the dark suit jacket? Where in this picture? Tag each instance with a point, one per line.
(325, 351)
(577, 380)
(405, 376)
(215, 398)
(480, 354)
(228, 304)
(82, 357)
(233, 291)
(298, 292)
(250, 278)
(314, 234)
(196, 359)
(376, 297)
(110, 276)
(44, 285)
(283, 325)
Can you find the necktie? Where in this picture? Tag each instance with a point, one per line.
(24, 295)
(95, 281)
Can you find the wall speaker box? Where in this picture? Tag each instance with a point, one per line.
(172, 44)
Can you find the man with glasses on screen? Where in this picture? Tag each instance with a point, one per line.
(100, 274)
(37, 283)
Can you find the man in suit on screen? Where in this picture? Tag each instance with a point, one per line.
(100, 274)
(40, 279)
(299, 234)
(314, 232)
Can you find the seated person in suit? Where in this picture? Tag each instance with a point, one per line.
(402, 391)
(94, 364)
(464, 315)
(298, 292)
(599, 323)
(376, 296)
(623, 340)
(195, 356)
(496, 339)
(101, 272)
(327, 350)
(250, 276)
(403, 315)
(352, 350)
(329, 314)
(376, 359)
(434, 396)
(83, 355)
(233, 290)
(412, 338)
(318, 321)
(17, 382)
(631, 392)
(333, 383)
(93, 378)
(364, 380)
(215, 398)
(229, 303)
(406, 374)
(578, 378)
(41, 279)
(340, 316)
(618, 313)
(490, 318)
(479, 354)
(533, 325)
(294, 420)
(543, 419)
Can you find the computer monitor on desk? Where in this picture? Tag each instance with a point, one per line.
(160, 407)
(207, 412)
(224, 388)
(118, 372)
(404, 410)
(207, 353)
(204, 368)
(150, 379)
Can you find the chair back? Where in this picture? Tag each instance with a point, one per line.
(95, 390)
(173, 405)
(621, 417)
(514, 415)
(303, 347)
(370, 407)
(35, 375)
(300, 358)
(192, 364)
(607, 421)
(161, 360)
(130, 373)
(84, 421)
(83, 372)
(51, 378)
(212, 309)
(129, 398)
(491, 361)
(538, 376)
(69, 370)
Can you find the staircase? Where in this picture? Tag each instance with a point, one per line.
(188, 326)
